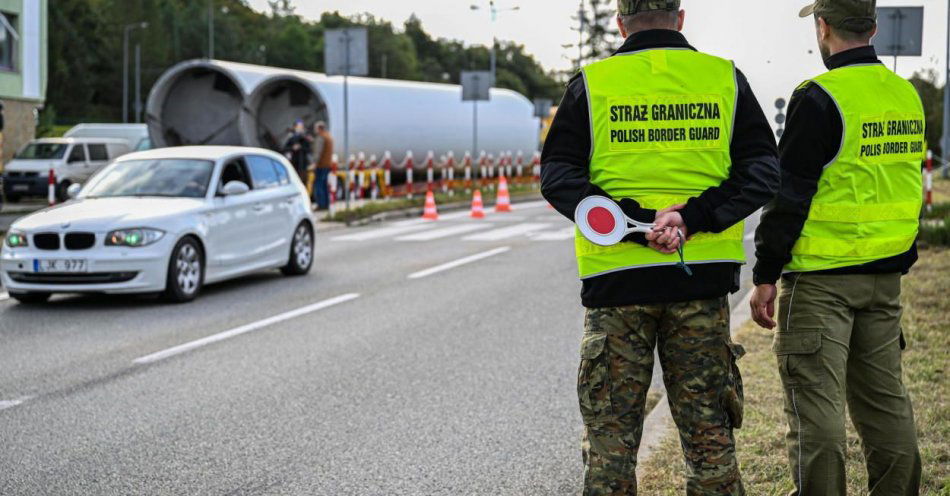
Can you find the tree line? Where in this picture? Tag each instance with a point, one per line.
(86, 50)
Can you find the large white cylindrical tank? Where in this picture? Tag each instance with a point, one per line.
(388, 115)
(199, 102)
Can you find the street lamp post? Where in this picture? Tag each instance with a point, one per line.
(494, 10)
(125, 66)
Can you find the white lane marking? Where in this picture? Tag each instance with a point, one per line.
(254, 326)
(559, 235)
(507, 232)
(4, 404)
(459, 262)
(382, 232)
(529, 205)
(442, 233)
(416, 222)
(4, 296)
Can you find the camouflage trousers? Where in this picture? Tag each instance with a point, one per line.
(702, 381)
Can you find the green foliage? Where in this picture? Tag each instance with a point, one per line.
(86, 52)
(932, 97)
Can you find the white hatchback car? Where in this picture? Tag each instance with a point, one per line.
(165, 221)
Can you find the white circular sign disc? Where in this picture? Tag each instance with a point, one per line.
(601, 221)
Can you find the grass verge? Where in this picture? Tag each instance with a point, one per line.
(761, 443)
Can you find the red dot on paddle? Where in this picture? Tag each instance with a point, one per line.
(601, 220)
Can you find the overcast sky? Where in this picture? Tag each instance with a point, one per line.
(765, 37)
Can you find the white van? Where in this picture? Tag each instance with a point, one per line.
(73, 160)
(135, 134)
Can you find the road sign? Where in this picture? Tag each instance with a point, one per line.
(346, 52)
(899, 31)
(780, 103)
(542, 107)
(475, 86)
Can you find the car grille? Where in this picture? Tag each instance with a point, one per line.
(46, 241)
(79, 240)
(13, 174)
(31, 174)
(92, 278)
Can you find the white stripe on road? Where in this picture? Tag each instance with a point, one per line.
(4, 296)
(381, 232)
(442, 233)
(459, 262)
(507, 232)
(254, 326)
(559, 235)
(416, 222)
(4, 404)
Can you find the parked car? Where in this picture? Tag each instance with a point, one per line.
(165, 221)
(72, 160)
(135, 134)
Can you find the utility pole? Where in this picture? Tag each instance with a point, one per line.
(126, 31)
(138, 83)
(383, 64)
(945, 142)
(494, 10)
(210, 29)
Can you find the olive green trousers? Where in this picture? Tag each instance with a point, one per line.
(839, 346)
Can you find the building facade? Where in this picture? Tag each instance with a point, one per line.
(23, 69)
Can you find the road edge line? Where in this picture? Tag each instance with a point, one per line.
(244, 329)
(458, 263)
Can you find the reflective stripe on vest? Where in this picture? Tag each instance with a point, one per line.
(869, 198)
(661, 127)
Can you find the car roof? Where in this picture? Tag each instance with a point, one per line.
(67, 141)
(214, 153)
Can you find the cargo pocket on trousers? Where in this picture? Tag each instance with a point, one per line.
(593, 383)
(799, 358)
(733, 397)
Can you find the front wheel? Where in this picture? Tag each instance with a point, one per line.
(62, 189)
(185, 272)
(30, 298)
(301, 252)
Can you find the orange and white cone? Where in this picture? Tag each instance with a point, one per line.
(478, 209)
(503, 204)
(430, 212)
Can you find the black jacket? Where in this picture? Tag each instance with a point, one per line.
(811, 141)
(753, 181)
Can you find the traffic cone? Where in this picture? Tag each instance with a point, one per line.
(503, 204)
(478, 209)
(430, 212)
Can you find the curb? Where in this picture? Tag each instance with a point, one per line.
(659, 422)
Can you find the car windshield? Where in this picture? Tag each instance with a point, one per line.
(180, 178)
(42, 151)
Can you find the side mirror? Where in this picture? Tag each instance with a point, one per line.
(234, 188)
(73, 190)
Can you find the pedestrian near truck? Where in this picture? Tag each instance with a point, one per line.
(677, 138)
(840, 234)
(323, 163)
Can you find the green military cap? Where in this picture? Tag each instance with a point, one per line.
(853, 15)
(630, 7)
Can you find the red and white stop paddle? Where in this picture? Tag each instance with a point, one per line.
(603, 222)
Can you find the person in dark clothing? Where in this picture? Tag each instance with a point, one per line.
(677, 138)
(297, 150)
(840, 234)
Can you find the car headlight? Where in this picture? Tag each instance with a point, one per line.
(16, 239)
(134, 238)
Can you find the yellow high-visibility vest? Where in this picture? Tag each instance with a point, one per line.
(869, 197)
(662, 123)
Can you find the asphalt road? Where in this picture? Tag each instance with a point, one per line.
(383, 372)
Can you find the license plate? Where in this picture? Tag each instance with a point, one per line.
(62, 266)
(20, 187)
